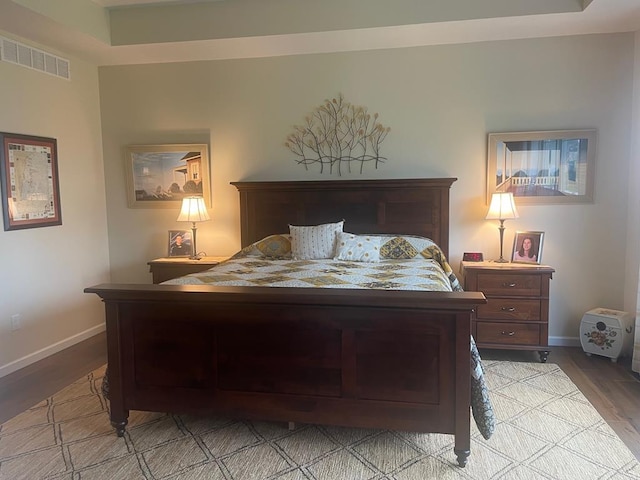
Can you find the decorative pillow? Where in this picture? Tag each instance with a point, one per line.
(357, 248)
(318, 241)
(275, 246)
(398, 248)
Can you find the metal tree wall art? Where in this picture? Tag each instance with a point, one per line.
(337, 135)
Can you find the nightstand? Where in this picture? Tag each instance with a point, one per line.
(516, 315)
(167, 268)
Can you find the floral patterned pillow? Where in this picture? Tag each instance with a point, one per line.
(357, 248)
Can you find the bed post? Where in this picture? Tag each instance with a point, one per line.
(462, 447)
(117, 413)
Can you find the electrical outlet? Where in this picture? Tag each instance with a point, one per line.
(16, 322)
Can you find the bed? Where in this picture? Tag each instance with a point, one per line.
(394, 359)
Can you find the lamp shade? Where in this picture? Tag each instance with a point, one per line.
(503, 207)
(193, 210)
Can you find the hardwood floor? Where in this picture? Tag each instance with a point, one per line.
(26, 387)
(612, 388)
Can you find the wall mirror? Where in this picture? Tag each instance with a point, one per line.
(542, 167)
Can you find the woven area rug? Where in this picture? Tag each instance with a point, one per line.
(546, 430)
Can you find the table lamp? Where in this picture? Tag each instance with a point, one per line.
(503, 207)
(193, 210)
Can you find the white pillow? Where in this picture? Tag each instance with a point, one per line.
(357, 248)
(318, 241)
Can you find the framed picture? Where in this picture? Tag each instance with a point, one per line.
(159, 176)
(527, 247)
(29, 177)
(179, 243)
(542, 167)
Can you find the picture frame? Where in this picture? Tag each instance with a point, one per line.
(527, 247)
(159, 176)
(29, 181)
(545, 167)
(180, 244)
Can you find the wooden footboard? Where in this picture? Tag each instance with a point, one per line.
(362, 358)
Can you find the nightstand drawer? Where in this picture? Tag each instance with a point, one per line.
(506, 284)
(508, 333)
(510, 309)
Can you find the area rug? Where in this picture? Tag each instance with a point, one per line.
(546, 430)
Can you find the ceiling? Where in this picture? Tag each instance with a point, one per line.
(115, 32)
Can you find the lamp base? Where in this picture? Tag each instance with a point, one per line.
(194, 254)
(501, 228)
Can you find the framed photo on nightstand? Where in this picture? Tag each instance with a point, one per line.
(179, 243)
(527, 247)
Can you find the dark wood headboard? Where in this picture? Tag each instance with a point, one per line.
(408, 206)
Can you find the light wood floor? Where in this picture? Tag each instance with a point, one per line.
(612, 388)
(24, 388)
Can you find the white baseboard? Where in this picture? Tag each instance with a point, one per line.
(564, 342)
(50, 350)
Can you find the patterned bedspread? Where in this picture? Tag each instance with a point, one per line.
(407, 263)
(404, 274)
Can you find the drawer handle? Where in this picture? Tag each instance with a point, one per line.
(508, 334)
(509, 285)
(508, 309)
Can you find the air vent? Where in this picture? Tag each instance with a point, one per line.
(26, 56)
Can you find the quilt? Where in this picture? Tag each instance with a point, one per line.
(402, 274)
(403, 263)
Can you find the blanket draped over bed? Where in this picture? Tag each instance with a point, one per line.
(408, 263)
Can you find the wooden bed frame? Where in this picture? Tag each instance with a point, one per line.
(361, 358)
